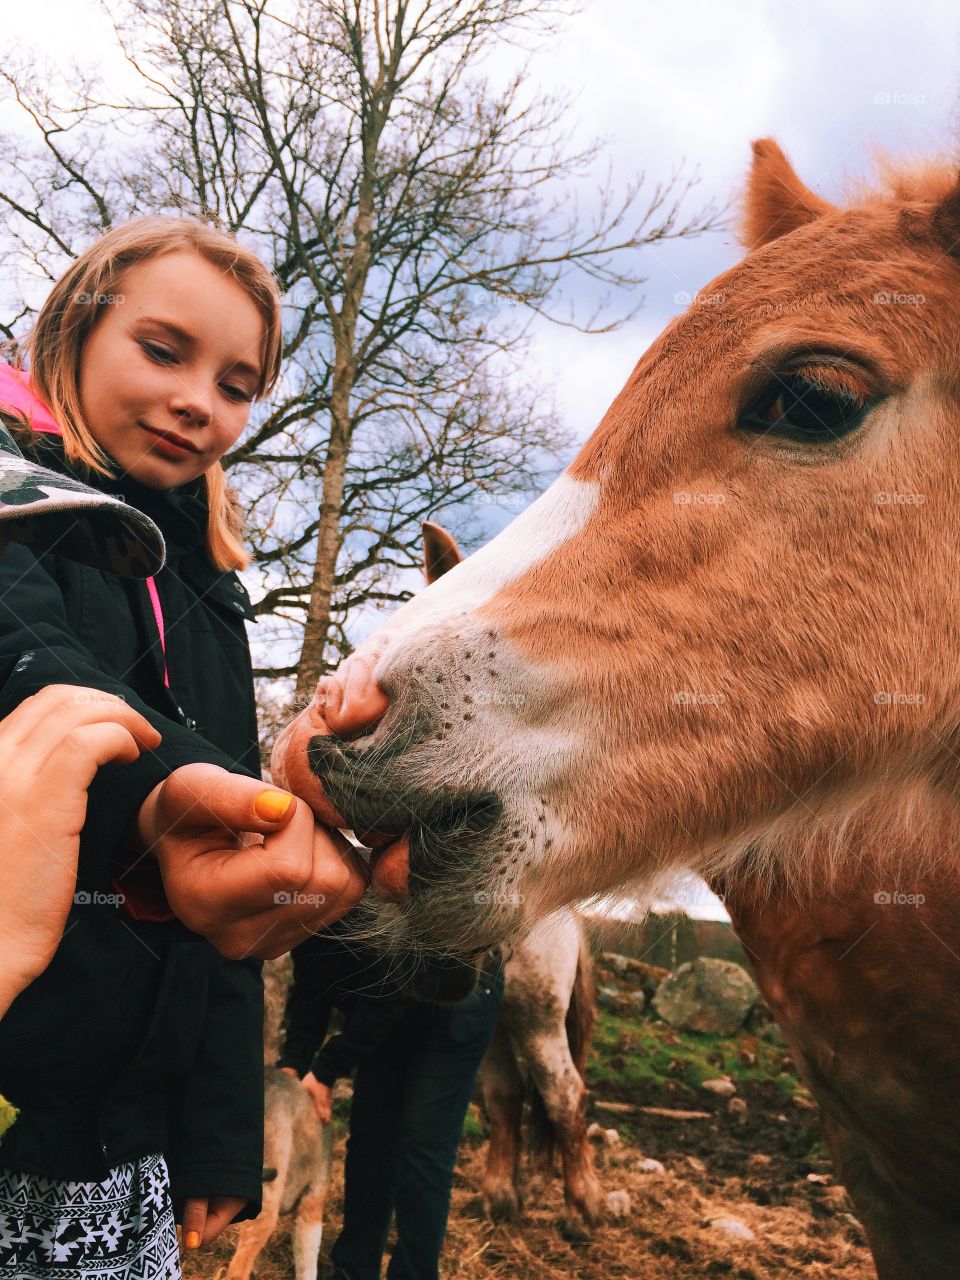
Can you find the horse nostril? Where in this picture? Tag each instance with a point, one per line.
(350, 699)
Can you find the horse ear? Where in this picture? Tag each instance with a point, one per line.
(946, 221)
(777, 202)
(440, 551)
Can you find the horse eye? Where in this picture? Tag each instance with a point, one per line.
(794, 408)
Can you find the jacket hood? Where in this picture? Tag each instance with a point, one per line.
(46, 509)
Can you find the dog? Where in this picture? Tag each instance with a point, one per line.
(296, 1177)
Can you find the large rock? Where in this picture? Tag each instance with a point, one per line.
(646, 976)
(706, 995)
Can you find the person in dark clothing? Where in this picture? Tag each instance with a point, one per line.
(135, 1058)
(415, 1067)
(53, 744)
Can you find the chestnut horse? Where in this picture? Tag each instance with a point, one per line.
(726, 639)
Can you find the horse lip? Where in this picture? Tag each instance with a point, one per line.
(446, 831)
(376, 840)
(333, 764)
(390, 871)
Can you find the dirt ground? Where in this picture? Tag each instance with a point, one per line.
(758, 1173)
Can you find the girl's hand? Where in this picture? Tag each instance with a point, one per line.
(51, 747)
(249, 896)
(321, 1095)
(204, 1218)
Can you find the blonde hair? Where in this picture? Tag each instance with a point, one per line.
(55, 343)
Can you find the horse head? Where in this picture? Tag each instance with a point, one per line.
(723, 634)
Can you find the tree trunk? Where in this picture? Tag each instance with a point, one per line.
(311, 665)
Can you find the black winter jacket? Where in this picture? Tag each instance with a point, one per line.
(372, 992)
(331, 970)
(139, 1037)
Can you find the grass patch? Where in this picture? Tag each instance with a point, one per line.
(637, 1058)
(474, 1130)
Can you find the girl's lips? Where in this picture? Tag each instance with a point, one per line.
(170, 446)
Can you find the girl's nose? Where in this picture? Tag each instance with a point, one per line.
(192, 404)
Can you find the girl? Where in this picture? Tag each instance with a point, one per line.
(135, 1059)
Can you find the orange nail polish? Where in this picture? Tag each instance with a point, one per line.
(193, 1240)
(272, 805)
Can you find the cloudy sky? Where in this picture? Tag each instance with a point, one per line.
(693, 80)
(832, 80)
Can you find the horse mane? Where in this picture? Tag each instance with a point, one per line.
(904, 179)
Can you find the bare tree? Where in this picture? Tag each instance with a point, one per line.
(417, 214)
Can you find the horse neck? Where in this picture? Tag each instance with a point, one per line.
(892, 836)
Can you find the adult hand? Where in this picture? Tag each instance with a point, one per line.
(205, 1217)
(321, 1095)
(51, 746)
(248, 896)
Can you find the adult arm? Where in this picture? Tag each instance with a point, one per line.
(50, 749)
(368, 1024)
(306, 1018)
(38, 648)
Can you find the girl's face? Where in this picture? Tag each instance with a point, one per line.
(171, 366)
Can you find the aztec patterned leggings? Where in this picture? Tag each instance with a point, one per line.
(118, 1229)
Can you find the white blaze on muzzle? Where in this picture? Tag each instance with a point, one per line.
(558, 515)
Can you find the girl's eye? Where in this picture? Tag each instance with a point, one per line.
(162, 355)
(793, 407)
(237, 393)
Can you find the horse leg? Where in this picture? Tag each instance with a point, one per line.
(308, 1219)
(564, 1099)
(502, 1089)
